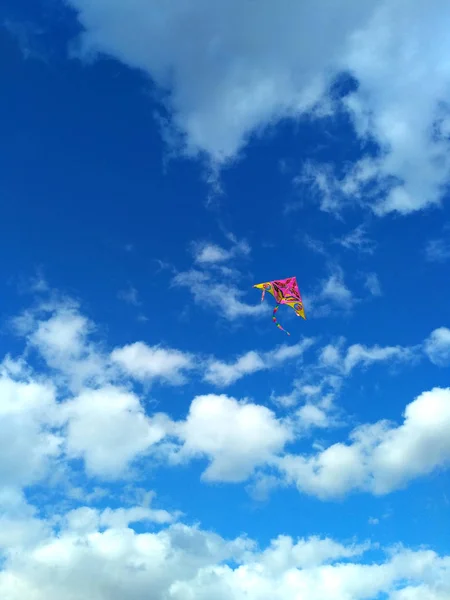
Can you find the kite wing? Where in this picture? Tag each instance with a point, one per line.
(285, 291)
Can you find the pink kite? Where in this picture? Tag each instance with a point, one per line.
(285, 291)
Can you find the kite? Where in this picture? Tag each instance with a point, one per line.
(285, 291)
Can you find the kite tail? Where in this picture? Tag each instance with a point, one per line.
(274, 319)
(263, 294)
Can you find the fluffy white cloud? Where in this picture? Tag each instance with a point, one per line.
(437, 346)
(230, 71)
(223, 374)
(235, 436)
(181, 562)
(380, 457)
(401, 101)
(108, 428)
(222, 87)
(28, 441)
(61, 335)
(147, 363)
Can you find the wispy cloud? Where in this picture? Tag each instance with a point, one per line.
(315, 245)
(225, 298)
(225, 373)
(130, 296)
(438, 250)
(331, 295)
(372, 283)
(208, 253)
(358, 241)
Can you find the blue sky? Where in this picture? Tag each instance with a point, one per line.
(156, 162)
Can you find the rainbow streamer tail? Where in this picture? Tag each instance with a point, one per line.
(274, 319)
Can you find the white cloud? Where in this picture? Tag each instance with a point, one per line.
(147, 363)
(223, 374)
(437, 346)
(381, 457)
(357, 240)
(108, 429)
(60, 333)
(332, 295)
(29, 445)
(87, 520)
(223, 88)
(208, 254)
(211, 253)
(236, 436)
(401, 100)
(130, 296)
(359, 354)
(331, 356)
(438, 250)
(310, 415)
(372, 283)
(181, 562)
(231, 71)
(225, 298)
(335, 291)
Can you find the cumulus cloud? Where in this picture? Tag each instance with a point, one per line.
(236, 436)
(108, 429)
(29, 443)
(437, 346)
(61, 335)
(381, 457)
(221, 88)
(104, 423)
(150, 363)
(180, 562)
(409, 120)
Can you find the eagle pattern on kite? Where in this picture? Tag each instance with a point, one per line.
(285, 291)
